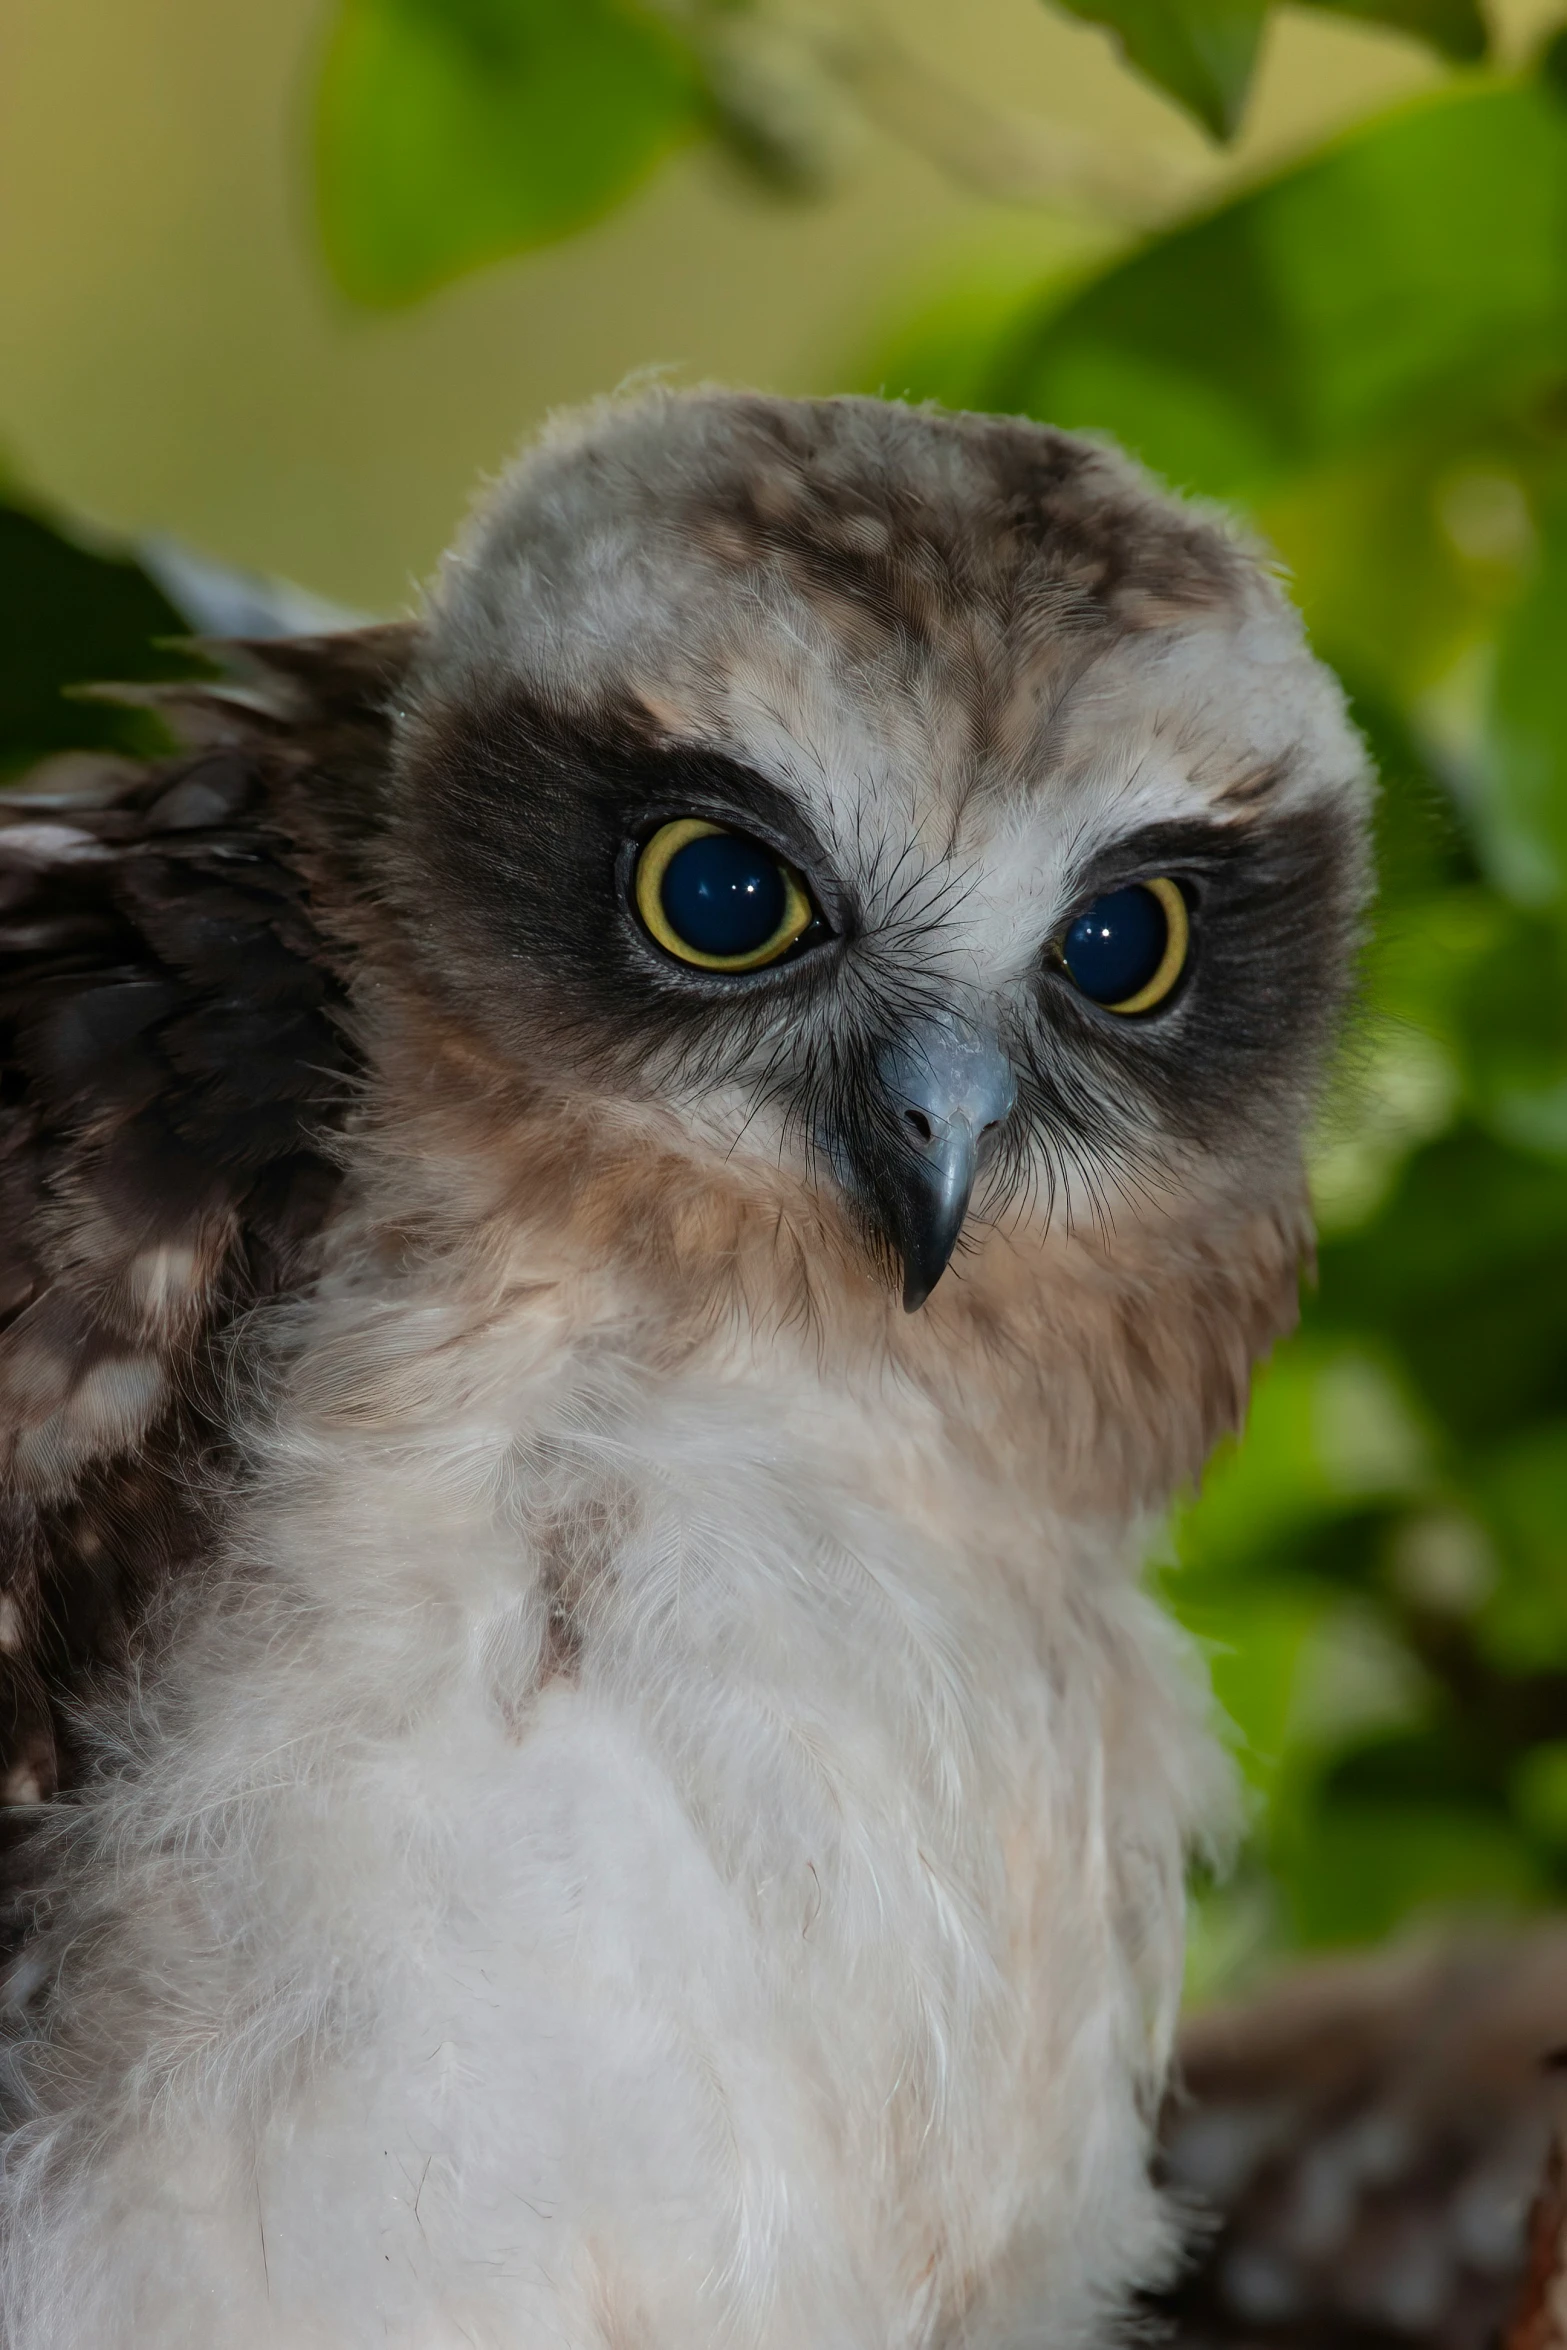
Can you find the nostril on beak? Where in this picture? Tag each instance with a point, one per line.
(950, 1089)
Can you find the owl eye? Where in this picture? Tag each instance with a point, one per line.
(1128, 949)
(718, 900)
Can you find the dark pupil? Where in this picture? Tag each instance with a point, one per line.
(1114, 949)
(723, 895)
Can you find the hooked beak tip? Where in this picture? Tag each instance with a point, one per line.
(936, 1206)
(946, 1090)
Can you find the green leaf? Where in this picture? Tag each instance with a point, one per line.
(1553, 62)
(1463, 1274)
(1540, 1793)
(1414, 274)
(1455, 28)
(1523, 817)
(451, 132)
(1354, 1871)
(1330, 1429)
(72, 614)
(1202, 52)
(1420, 851)
(1256, 1643)
(1368, 534)
(1523, 1490)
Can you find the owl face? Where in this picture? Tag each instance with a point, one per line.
(919, 806)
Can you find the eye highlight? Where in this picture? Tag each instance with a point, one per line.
(1127, 950)
(718, 900)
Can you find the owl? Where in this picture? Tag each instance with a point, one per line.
(623, 1202)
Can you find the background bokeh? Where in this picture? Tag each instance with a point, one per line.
(175, 353)
(283, 281)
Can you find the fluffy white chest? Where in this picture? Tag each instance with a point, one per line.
(669, 1873)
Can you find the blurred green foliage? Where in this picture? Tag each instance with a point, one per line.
(452, 131)
(1366, 357)
(449, 132)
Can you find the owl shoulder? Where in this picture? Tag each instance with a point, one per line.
(176, 1057)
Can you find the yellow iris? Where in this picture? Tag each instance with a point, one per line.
(792, 908)
(1177, 939)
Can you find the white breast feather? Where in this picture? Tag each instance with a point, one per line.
(761, 1983)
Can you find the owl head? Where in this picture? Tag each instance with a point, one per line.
(891, 868)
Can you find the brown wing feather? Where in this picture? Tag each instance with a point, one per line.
(175, 941)
(1368, 2138)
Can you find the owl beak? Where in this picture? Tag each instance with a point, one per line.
(950, 1090)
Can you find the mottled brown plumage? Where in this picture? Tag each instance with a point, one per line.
(1369, 2137)
(175, 1061)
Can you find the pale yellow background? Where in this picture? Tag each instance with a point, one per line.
(172, 355)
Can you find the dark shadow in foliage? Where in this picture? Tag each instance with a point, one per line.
(74, 615)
